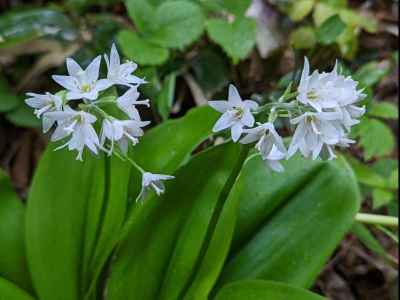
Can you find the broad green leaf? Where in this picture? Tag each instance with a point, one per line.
(260, 290)
(385, 110)
(211, 264)
(8, 101)
(236, 38)
(381, 197)
(55, 220)
(330, 30)
(24, 25)
(322, 12)
(141, 50)
(375, 137)
(372, 73)
(157, 259)
(13, 265)
(303, 38)
(23, 116)
(9, 291)
(112, 214)
(142, 13)
(166, 97)
(355, 19)
(238, 8)
(290, 221)
(299, 9)
(167, 146)
(366, 175)
(348, 42)
(335, 3)
(179, 23)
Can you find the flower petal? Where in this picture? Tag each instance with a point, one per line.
(73, 67)
(92, 71)
(220, 106)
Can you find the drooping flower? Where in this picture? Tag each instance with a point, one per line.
(155, 182)
(82, 84)
(236, 113)
(121, 73)
(315, 131)
(272, 160)
(324, 91)
(44, 104)
(128, 101)
(269, 144)
(123, 132)
(78, 125)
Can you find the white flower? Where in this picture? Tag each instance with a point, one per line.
(128, 101)
(155, 182)
(315, 131)
(269, 144)
(327, 90)
(235, 113)
(44, 104)
(78, 124)
(121, 73)
(122, 132)
(82, 84)
(272, 160)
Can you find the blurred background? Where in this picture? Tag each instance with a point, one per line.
(189, 51)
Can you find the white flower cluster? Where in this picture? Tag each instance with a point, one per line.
(76, 121)
(323, 110)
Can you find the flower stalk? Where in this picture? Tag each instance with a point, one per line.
(377, 220)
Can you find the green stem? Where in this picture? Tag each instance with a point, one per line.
(377, 220)
(124, 157)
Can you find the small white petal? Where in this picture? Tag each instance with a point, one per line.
(92, 71)
(73, 67)
(220, 106)
(236, 131)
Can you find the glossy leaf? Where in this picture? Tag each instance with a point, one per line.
(299, 9)
(263, 290)
(179, 23)
(330, 30)
(303, 38)
(9, 291)
(55, 221)
(113, 213)
(376, 138)
(385, 110)
(166, 235)
(161, 23)
(236, 38)
(167, 146)
(290, 221)
(13, 265)
(20, 26)
(372, 73)
(140, 50)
